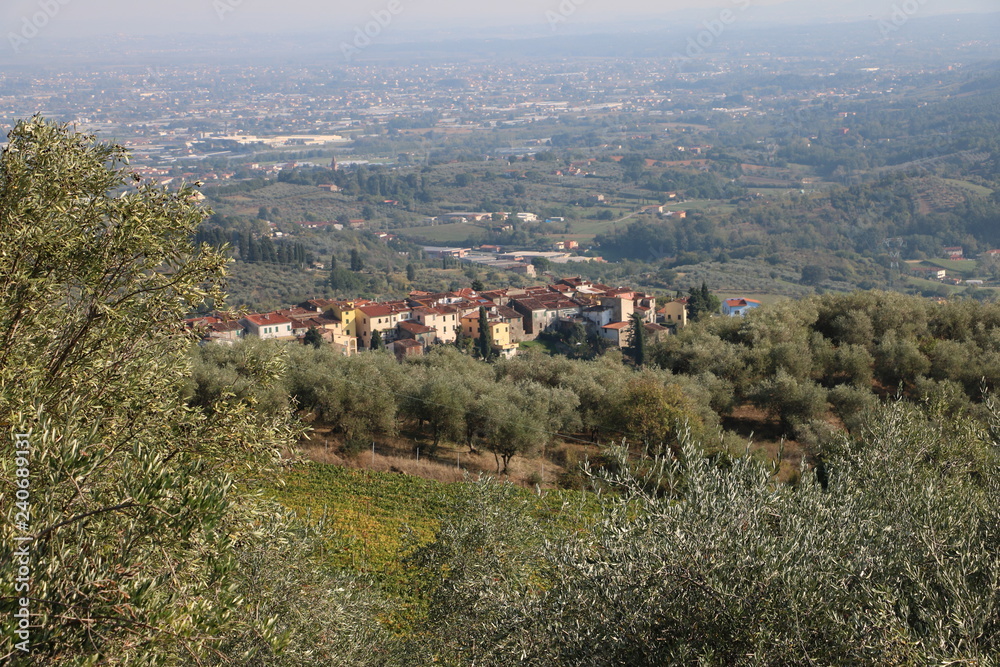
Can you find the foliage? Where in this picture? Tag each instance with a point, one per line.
(885, 558)
(145, 527)
(366, 520)
(702, 302)
(637, 339)
(484, 344)
(313, 337)
(653, 413)
(356, 394)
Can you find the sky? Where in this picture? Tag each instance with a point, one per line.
(26, 22)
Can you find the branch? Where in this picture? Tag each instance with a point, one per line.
(80, 517)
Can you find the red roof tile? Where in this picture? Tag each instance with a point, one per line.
(268, 319)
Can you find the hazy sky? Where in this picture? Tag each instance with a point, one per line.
(55, 19)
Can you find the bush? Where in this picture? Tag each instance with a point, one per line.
(888, 557)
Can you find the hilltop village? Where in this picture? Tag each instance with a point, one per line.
(410, 326)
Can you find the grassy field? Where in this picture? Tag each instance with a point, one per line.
(371, 520)
(971, 187)
(715, 205)
(932, 285)
(587, 229)
(963, 267)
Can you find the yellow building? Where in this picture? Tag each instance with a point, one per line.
(675, 313)
(346, 312)
(499, 328)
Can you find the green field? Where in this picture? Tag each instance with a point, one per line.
(587, 229)
(964, 267)
(971, 187)
(369, 516)
(370, 520)
(932, 284)
(715, 205)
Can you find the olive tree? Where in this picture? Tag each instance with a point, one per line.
(885, 554)
(139, 508)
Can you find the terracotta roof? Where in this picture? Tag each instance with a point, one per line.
(415, 328)
(268, 319)
(378, 310)
(223, 327)
(509, 313)
(531, 304)
(617, 325)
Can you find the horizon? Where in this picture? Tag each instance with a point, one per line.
(37, 28)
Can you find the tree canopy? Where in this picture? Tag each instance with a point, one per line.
(144, 529)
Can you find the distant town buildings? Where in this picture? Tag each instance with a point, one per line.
(410, 326)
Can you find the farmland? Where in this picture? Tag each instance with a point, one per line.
(367, 517)
(371, 520)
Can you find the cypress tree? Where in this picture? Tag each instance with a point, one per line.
(485, 336)
(637, 342)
